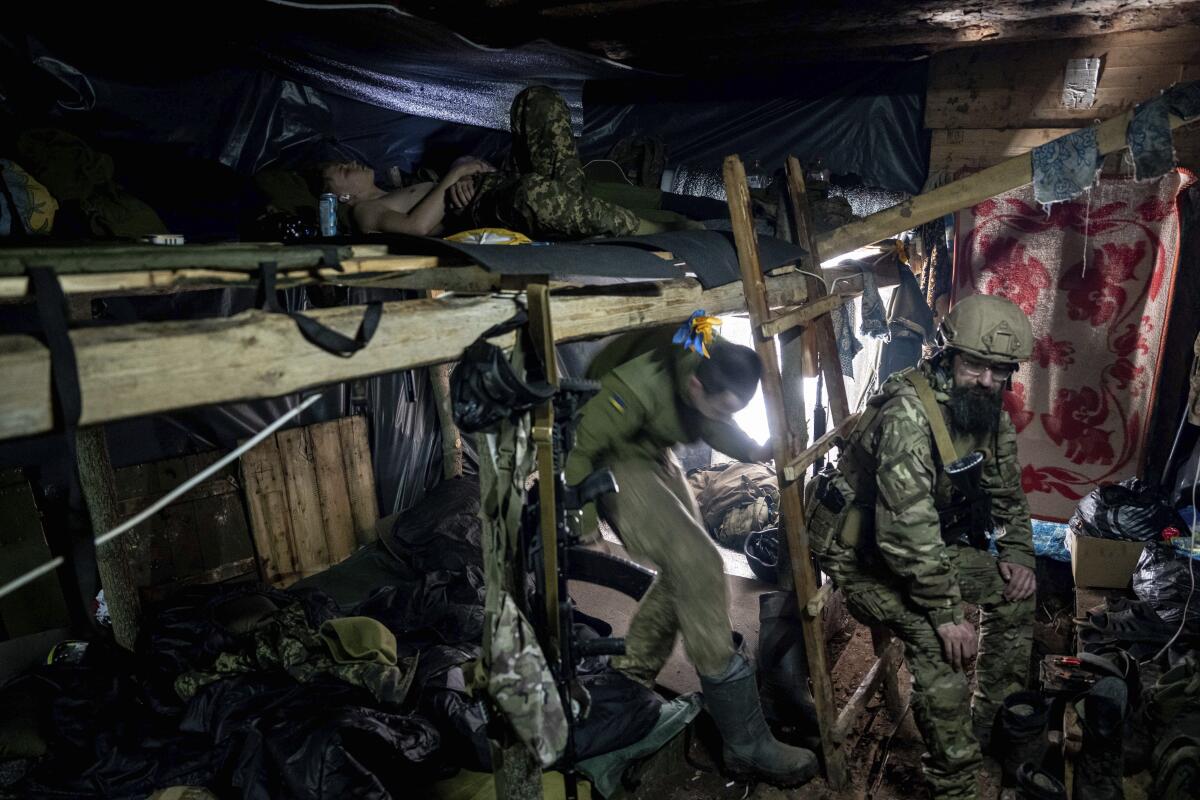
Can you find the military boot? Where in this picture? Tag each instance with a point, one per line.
(750, 750)
(1099, 767)
(783, 666)
(1034, 784)
(1019, 734)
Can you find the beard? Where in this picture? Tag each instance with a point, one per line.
(974, 410)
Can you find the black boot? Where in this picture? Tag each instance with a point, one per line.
(749, 748)
(1034, 784)
(1099, 768)
(1019, 735)
(783, 666)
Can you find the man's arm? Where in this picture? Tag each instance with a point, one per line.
(425, 216)
(907, 531)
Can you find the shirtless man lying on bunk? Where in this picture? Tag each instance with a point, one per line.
(540, 192)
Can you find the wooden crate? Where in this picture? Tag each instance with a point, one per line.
(202, 537)
(311, 496)
(39, 605)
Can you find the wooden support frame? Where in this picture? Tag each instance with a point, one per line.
(795, 469)
(148, 368)
(1016, 171)
(791, 502)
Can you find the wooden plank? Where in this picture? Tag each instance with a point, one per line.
(804, 315)
(270, 514)
(178, 525)
(962, 193)
(136, 486)
(147, 368)
(38, 606)
(1019, 85)
(791, 502)
(953, 151)
(333, 491)
(830, 439)
(871, 682)
(311, 551)
(360, 476)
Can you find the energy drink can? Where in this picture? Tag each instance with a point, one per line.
(327, 212)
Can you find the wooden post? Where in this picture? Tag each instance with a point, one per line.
(826, 342)
(541, 332)
(832, 370)
(452, 454)
(114, 558)
(790, 500)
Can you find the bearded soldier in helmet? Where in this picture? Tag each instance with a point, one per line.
(928, 480)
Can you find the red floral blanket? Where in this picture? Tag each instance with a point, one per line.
(1095, 276)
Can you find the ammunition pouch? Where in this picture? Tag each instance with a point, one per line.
(827, 504)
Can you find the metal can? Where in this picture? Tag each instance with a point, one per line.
(327, 213)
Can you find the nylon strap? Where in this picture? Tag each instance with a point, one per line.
(941, 434)
(326, 338)
(72, 538)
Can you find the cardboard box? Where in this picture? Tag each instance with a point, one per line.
(1102, 563)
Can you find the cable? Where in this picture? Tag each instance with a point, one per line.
(614, 163)
(166, 499)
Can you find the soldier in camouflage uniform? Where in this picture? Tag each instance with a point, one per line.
(540, 192)
(908, 543)
(654, 395)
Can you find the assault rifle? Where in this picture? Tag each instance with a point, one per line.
(554, 622)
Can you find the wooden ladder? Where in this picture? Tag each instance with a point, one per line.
(786, 416)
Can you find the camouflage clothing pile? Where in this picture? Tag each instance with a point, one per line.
(287, 642)
(541, 192)
(736, 499)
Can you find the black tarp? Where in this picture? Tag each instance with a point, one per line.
(397, 91)
(858, 119)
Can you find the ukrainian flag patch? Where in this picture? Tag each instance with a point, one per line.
(616, 402)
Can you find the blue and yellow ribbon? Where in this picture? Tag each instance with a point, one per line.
(697, 333)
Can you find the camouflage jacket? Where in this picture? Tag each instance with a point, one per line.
(896, 449)
(640, 411)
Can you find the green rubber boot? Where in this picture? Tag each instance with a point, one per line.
(750, 750)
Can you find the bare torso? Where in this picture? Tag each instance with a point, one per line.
(402, 200)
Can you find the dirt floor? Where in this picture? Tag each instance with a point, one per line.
(886, 757)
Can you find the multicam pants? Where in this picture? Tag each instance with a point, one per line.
(657, 518)
(541, 192)
(941, 696)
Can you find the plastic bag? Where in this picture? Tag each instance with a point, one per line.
(1161, 579)
(1130, 510)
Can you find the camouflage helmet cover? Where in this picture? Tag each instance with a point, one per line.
(990, 328)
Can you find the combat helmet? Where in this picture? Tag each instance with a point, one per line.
(990, 328)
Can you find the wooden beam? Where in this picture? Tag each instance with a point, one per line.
(960, 194)
(803, 315)
(820, 447)
(149, 368)
(885, 664)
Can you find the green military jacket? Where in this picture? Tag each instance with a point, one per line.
(641, 410)
(895, 449)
